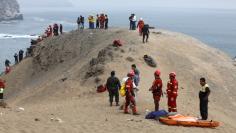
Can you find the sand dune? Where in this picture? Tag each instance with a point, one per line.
(57, 87)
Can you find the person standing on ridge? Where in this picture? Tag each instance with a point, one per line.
(130, 22)
(106, 21)
(102, 21)
(7, 63)
(16, 58)
(113, 86)
(140, 26)
(61, 29)
(157, 89)
(172, 88)
(134, 19)
(129, 95)
(203, 96)
(97, 22)
(145, 32)
(21, 54)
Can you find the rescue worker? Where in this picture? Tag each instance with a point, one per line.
(172, 88)
(2, 87)
(97, 22)
(91, 22)
(16, 58)
(140, 26)
(102, 21)
(157, 89)
(129, 95)
(203, 96)
(106, 21)
(113, 86)
(145, 32)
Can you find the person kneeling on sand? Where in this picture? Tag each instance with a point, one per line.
(129, 95)
(113, 86)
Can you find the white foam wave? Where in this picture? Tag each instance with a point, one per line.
(17, 36)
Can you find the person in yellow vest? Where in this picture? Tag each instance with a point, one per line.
(203, 96)
(91, 22)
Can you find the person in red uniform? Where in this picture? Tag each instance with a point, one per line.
(172, 88)
(157, 89)
(140, 26)
(129, 96)
(2, 87)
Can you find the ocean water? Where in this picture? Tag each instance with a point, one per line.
(213, 27)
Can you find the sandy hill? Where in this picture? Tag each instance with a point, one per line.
(57, 86)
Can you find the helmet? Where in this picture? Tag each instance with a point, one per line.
(131, 74)
(172, 74)
(141, 19)
(157, 72)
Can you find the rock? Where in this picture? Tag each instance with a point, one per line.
(36, 119)
(130, 59)
(20, 109)
(10, 10)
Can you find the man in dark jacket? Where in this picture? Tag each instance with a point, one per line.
(16, 58)
(113, 86)
(21, 55)
(203, 96)
(7, 63)
(145, 32)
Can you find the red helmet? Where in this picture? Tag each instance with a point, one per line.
(157, 72)
(172, 74)
(131, 74)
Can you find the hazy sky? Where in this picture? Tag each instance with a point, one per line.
(121, 4)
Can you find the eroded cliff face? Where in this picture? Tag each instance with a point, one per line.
(10, 10)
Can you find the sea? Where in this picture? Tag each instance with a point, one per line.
(215, 27)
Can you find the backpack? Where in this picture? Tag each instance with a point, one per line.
(122, 90)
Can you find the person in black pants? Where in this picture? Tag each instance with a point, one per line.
(113, 86)
(203, 96)
(21, 54)
(106, 22)
(16, 58)
(145, 32)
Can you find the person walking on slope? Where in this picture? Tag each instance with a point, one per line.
(129, 95)
(157, 89)
(145, 32)
(113, 86)
(203, 96)
(172, 88)
(140, 26)
(21, 55)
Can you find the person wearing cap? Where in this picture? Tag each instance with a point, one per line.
(172, 88)
(203, 96)
(140, 26)
(157, 89)
(129, 96)
(113, 86)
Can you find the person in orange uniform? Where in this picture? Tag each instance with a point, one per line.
(157, 89)
(140, 26)
(2, 87)
(172, 88)
(129, 96)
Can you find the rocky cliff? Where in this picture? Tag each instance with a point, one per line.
(10, 10)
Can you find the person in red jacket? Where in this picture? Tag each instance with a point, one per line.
(157, 89)
(2, 87)
(129, 96)
(172, 88)
(140, 26)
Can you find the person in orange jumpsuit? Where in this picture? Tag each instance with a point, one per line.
(129, 96)
(172, 88)
(157, 89)
(140, 26)
(2, 87)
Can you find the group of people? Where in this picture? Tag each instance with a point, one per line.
(100, 22)
(54, 30)
(131, 83)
